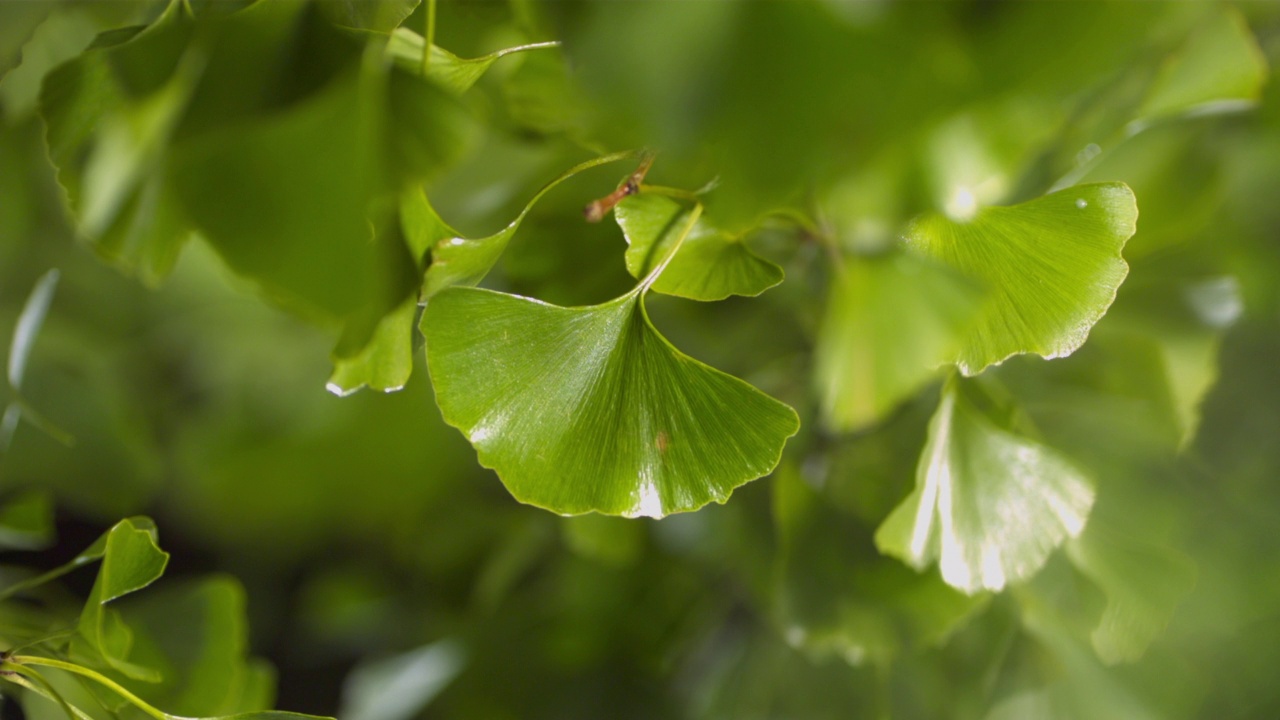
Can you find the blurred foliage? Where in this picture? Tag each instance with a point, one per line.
(277, 188)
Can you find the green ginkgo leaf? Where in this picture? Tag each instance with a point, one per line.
(591, 409)
(1053, 266)
(1143, 582)
(891, 321)
(989, 506)
(386, 362)
(710, 265)
(131, 560)
(451, 72)
(1219, 67)
(465, 261)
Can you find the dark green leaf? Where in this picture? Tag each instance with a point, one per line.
(590, 409)
(891, 321)
(1052, 264)
(989, 506)
(26, 522)
(710, 265)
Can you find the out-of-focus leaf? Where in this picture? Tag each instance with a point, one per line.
(24, 337)
(453, 73)
(198, 635)
(131, 560)
(590, 409)
(1053, 265)
(377, 15)
(61, 36)
(29, 324)
(1143, 582)
(1220, 67)
(989, 506)
(110, 113)
(540, 96)
(891, 320)
(421, 226)
(836, 600)
(399, 687)
(709, 265)
(26, 522)
(465, 261)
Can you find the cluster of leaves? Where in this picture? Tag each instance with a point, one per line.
(940, 245)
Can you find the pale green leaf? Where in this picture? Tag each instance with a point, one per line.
(29, 324)
(989, 506)
(891, 320)
(1053, 266)
(709, 265)
(26, 522)
(453, 73)
(1219, 67)
(465, 261)
(590, 409)
(1143, 582)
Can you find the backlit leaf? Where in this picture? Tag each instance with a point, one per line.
(891, 321)
(989, 506)
(710, 265)
(590, 409)
(1052, 265)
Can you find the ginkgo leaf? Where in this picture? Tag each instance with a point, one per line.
(465, 261)
(709, 265)
(989, 506)
(1052, 265)
(386, 362)
(891, 321)
(453, 73)
(131, 560)
(1220, 67)
(1143, 582)
(590, 409)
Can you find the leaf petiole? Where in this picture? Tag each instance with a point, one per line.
(20, 660)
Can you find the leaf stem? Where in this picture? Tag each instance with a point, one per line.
(597, 209)
(429, 39)
(96, 677)
(34, 681)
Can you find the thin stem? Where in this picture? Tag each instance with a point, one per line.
(36, 682)
(429, 39)
(96, 677)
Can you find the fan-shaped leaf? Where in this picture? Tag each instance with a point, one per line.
(989, 505)
(890, 322)
(590, 409)
(710, 265)
(1052, 264)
